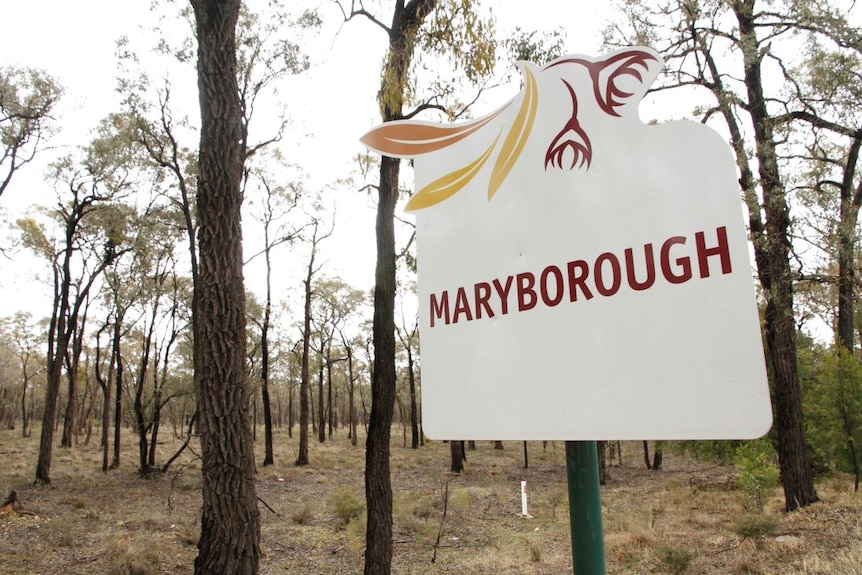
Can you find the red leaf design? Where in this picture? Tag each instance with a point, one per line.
(571, 137)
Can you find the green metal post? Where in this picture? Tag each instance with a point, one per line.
(585, 508)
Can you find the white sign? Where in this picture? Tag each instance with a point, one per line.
(582, 275)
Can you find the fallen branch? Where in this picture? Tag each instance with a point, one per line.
(265, 504)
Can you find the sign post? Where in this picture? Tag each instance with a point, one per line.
(585, 508)
(582, 274)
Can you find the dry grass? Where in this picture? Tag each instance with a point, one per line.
(685, 519)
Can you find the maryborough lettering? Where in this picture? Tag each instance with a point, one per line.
(582, 279)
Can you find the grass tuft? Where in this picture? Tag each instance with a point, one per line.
(674, 559)
(346, 505)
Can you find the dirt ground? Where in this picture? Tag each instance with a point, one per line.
(686, 518)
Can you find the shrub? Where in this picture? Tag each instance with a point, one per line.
(346, 505)
(755, 525)
(302, 515)
(756, 471)
(134, 558)
(674, 559)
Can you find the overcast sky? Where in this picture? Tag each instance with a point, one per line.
(75, 42)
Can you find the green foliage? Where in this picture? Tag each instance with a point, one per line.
(455, 32)
(346, 505)
(719, 451)
(28, 98)
(756, 472)
(833, 406)
(755, 525)
(534, 46)
(674, 559)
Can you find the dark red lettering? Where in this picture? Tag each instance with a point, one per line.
(684, 262)
(649, 261)
(503, 292)
(579, 271)
(558, 283)
(440, 309)
(462, 306)
(615, 269)
(526, 294)
(721, 250)
(482, 293)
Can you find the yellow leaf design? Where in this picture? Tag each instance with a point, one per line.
(450, 184)
(517, 136)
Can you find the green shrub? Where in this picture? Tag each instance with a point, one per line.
(755, 525)
(756, 472)
(674, 559)
(346, 505)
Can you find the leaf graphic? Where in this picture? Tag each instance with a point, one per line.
(517, 136)
(445, 187)
(407, 138)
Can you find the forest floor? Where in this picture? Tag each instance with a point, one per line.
(686, 518)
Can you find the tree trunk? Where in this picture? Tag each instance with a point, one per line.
(378, 483)
(141, 424)
(305, 372)
(268, 458)
(118, 395)
(105, 384)
(414, 415)
(67, 439)
(330, 406)
(601, 449)
(849, 216)
(321, 412)
(58, 344)
(658, 456)
(351, 407)
(776, 278)
(230, 521)
(456, 449)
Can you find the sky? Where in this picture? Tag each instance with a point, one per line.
(335, 105)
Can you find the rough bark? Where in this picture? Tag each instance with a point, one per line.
(268, 458)
(456, 450)
(304, 378)
(777, 279)
(230, 521)
(407, 19)
(849, 217)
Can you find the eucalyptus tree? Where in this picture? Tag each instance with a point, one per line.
(271, 206)
(79, 238)
(28, 99)
(452, 30)
(409, 339)
(733, 57)
(161, 305)
(21, 330)
(312, 268)
(337, 306)
(352, 338)
(825, 100)
(230, 520)
(234, 68)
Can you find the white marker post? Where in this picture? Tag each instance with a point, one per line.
(524, 499)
